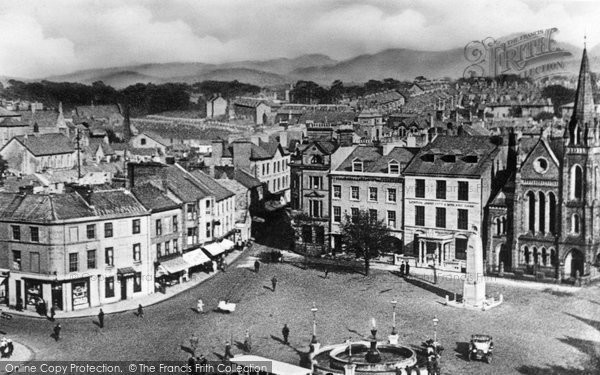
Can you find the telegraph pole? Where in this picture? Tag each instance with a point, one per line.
(78, 138)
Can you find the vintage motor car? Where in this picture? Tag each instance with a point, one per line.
(480, 348)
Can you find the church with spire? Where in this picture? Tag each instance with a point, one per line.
(546, 221)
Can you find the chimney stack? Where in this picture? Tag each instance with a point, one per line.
(242, 150)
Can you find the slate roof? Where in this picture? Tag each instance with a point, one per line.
(115, 202)
(333, 117)
(327, 147)
(264, 150)
(106, 148)
(213, 186)
(97, 111)
(46, 144)
(44, 119)
(249, 102)
(153, 198)
(47, 208)
(374, 161)
(238, 174)
(11, 122)
(471, 156)
(6, 113)
(184, 185)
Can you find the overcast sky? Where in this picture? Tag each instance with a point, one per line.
(44, 37)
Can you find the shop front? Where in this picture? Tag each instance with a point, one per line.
(198, 262)
(171, 272)
(80, 296)
(33, 296)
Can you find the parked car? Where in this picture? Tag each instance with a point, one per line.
(480, 348)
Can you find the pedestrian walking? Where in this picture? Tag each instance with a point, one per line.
(228, 354)
(194, 340)
(286, 333)
(407, 269)
(52, 313)
(274, 282)
(200, 306)
(256, 266)
(247, 341)
(140, 311)
(101, 318)
(191, 365)
(402, 266)
(326, 272)
(57, 329)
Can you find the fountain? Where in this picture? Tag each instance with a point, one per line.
(364, 357)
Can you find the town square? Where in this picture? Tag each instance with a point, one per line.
(315, 187)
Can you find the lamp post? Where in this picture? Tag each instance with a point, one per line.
(394, 302)
(314, 333)
(435, 323)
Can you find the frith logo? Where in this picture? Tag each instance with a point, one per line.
(535, 55)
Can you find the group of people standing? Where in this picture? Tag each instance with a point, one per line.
(404, 269)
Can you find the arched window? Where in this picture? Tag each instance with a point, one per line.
(552, 213)
(531, 200)
(504, 225)
(542, 212)
(498, 226)
(544, 256)
(526, 255)
(576, 182)
(553, 257)
(316, 159)
(535, 255)
(575, 223)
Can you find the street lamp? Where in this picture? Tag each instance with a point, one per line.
(394, 302)
(435, 323)
(314, 333)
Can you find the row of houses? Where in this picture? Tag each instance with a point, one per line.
(87, 247)
(532, 197)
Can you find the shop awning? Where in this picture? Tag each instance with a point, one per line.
(2, 279)
(227, 244)
(175, 265)
(126, 272)
(214, 249)
(195, 258)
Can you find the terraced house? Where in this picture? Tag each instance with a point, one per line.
(74, 250)
(370, 178)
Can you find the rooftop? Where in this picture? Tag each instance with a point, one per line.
(46, 144)
(455, 156)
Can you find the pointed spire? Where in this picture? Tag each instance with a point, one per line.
(583, 111)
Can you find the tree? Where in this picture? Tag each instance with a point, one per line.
(559, 95)
(364, 236)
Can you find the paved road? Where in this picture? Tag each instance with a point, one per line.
(565, 325)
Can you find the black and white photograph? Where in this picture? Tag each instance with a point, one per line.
(300, 187)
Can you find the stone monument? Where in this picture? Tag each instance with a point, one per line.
(474, 285)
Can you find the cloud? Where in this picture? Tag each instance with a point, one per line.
(42, 38)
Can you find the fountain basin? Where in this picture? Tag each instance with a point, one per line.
(392, 357)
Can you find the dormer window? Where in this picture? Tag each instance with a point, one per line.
(316, 159)
(470, 159)
(428, 158)
(393, 167)
(449, 158)
(357, 165)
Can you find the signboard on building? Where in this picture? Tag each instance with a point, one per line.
(80, 294)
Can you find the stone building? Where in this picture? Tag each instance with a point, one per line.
(370, 178)
(310, 199)
(447, 186)
(553, 217)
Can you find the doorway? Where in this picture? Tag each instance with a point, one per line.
(123, 288)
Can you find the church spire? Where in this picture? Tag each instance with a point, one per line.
(583, 110)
